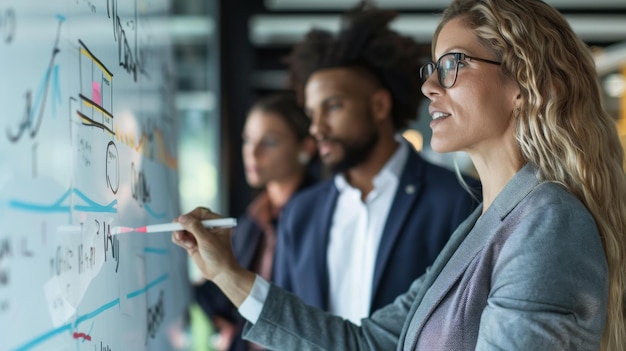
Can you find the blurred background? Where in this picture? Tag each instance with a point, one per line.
(229, 53)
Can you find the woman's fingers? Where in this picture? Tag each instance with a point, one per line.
(203, 213)
(193, 225)
(194, 231)
(184, 239)
(211, 249)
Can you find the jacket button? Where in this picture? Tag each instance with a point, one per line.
(410, 189)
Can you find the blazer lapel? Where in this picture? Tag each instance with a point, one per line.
(469, 239)
(409, 186)
(412, 326)
(322, 226)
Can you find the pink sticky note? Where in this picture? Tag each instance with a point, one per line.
(96, 93)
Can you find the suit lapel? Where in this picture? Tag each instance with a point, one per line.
(409, 333)
(468, 240)
(409, 186)
(322, 226)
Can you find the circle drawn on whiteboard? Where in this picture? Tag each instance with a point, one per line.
(112, 167)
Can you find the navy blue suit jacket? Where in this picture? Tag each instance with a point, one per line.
(429, 204)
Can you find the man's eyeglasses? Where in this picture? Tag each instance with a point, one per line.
(447, 68)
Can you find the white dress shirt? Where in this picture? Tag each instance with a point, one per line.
(355, 233)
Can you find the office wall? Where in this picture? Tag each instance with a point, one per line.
(88, 146)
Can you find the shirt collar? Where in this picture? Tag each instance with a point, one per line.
(390, 171)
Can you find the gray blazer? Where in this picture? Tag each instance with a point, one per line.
(529, 274)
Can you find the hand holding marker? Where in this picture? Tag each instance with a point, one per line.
(156, 228)
(170, 227)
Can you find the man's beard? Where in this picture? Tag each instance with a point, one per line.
(355, 153)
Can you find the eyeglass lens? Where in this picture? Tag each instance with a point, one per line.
(446, 70)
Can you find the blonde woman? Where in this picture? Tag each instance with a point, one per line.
(540, 265)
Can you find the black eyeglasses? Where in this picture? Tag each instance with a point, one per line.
(447, 68)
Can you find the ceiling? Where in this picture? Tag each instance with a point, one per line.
(281, 23)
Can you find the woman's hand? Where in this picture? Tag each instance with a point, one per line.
(211, 251)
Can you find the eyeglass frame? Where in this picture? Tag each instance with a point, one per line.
(459, 56)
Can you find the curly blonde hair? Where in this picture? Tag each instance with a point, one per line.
(562, 127)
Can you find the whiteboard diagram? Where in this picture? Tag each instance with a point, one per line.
(96, 91)
(87, 147)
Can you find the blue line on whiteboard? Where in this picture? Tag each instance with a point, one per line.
(52, 75)
(93, 206)
(56, 90)
(44, 337)
(154, 214)
(57, 206)
(109, 208)
(67, 327)
(96, 312)
(153, 250)
(34, 111)
(88, 316)
(152, 284)
(37, 208)
(54, 208)
(89, 332)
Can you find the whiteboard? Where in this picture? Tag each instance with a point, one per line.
(88, 141)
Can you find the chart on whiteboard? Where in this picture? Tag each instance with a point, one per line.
(88, 139)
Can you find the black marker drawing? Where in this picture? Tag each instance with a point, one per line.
(90, 5)
(112, 167)
(25, 251)
(5, 253)
(131, 59)
(96, 91)
(110, 241)
(62, 260)
(8, 25)
(155, 317)
(139, 185)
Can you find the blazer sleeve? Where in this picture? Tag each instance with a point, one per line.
(286, 323)
(549, 284)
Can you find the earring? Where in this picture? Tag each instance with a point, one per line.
(303, 158)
